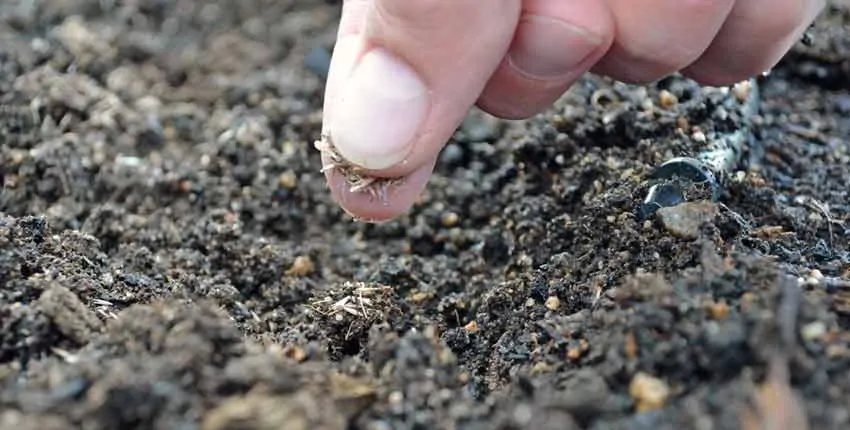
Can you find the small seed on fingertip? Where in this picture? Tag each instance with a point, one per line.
(357, 178)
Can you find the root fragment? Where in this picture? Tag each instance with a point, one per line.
(357, 178)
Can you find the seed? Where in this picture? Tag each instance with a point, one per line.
(667, 99)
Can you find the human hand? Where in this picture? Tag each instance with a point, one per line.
(405, 73)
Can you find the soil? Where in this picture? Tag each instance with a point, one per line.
(170, 257)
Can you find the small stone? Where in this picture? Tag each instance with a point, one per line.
(419, 297)
(288, 180)
(649, 392)
(742, 90)
(718, 311)
(450, 219)
(452, 154)
(842, 103)
(396, 397)
(295, 352)
(472, 327)
(17, 157)
(574, 353)
(813, 330)
(302, 266)
(553, 303)
(666, 99)
(684, 220)
(318, 61)
(837, 351)
(479, 126)
(541, 367)
(446, 357)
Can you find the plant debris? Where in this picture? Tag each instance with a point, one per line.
(358, 178)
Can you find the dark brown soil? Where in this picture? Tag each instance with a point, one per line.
(170, 257)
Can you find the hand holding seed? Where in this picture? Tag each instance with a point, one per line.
(404, 73)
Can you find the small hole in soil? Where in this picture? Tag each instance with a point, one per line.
(844, 322)
(350, 347)
(603, 98)
(684, 90)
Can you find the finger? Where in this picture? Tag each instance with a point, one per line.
(657, 37)
(555, 43)
(402, 80)
(752, 41)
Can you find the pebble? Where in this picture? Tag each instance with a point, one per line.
(842, 103)
(649, 392)
(288, 180)
(813, 330)
(452, 154)
(718, 310)
(813, 280)
(318, 62)
(699, 136)
(302, 266)
(450, 219)
(553, 303)
(685, 220)
(667, 99)
(479, 126)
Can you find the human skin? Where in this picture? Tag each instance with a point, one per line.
(405, 73)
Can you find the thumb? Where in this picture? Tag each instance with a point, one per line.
(403, 76)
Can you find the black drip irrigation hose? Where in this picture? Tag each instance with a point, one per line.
(710, 166)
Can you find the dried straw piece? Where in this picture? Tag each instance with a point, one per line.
(357, 178)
